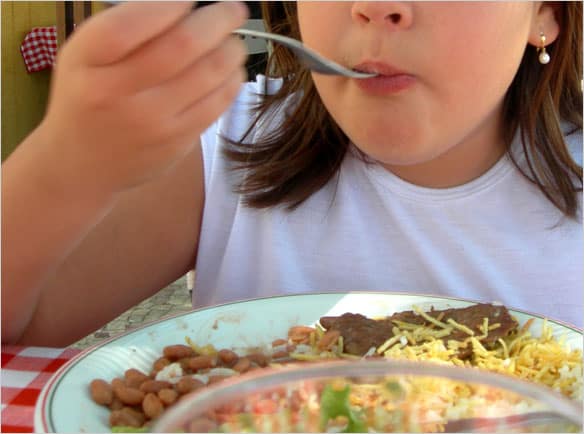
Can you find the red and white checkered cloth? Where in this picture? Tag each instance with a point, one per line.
(39, 48)
(25, 370)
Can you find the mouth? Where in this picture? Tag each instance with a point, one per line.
(388, 79)
(379, 68)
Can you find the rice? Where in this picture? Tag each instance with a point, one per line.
(171, 373)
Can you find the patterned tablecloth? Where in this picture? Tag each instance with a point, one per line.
(25, 370)
(39, 48)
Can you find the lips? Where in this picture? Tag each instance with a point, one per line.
(388, 81)
(379, 68)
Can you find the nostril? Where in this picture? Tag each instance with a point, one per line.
(395, 18)
(363, 18)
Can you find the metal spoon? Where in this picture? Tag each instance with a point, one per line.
(310, 58)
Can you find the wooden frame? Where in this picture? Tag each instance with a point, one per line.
(70, 14)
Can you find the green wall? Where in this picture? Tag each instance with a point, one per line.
(24, 95)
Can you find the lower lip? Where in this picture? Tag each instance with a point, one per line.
(386, 84)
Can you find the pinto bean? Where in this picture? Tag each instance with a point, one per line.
(188, 384)
(328, 339)
(128, 395)
(175, 352)
(185, 364)
(242, 365)
(159, 364)
(152, 406)
(202, 362)
(116, 404)
(126, 416)
(101, 392)
(300, 334)
(118, 382)
(259, 359)
(228, 357)
(134, 378)
(154, 386)
(281, 355)
(279, 342)
(168, 396)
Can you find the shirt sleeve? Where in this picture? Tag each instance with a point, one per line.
(574, 143)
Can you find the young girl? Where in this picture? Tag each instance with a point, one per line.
(456, 171)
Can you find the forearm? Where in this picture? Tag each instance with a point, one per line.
(118, 118)
(43, 219)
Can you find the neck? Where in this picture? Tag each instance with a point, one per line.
(462, 163)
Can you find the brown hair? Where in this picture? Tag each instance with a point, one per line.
(290, 163)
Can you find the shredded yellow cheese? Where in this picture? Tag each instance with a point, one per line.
(340, 344)
(429, 318)
(388, 343)
(505, 350)
(544, 359)
(460, 327)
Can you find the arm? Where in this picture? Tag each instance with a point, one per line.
(83, 195)
(147, 240)
(42, 221)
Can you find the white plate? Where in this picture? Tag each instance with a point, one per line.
(65, 405)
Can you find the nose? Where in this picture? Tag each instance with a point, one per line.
(393, 15)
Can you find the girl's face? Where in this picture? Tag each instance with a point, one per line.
(446, 67)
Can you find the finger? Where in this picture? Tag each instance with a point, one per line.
(199, 79)
(193, 38)
(206, 110)
(113, 34)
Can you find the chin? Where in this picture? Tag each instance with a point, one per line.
(398, 148)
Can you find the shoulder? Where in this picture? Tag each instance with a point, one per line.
(574, 143)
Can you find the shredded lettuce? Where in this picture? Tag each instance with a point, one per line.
(395, 389)
(121, 428)
(334, 403)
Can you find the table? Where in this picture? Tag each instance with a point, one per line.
(25, 370)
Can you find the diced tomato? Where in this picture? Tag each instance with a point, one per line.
(265, 406)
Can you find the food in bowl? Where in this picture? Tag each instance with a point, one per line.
(484, 336)
(373, 396)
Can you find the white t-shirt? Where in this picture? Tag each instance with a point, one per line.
(496, 238)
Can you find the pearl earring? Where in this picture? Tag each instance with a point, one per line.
(544, 57)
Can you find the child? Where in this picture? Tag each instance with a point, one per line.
(457, 171)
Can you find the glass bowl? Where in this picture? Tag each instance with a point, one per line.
(373, 396)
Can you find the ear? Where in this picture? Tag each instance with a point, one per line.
(544, 21)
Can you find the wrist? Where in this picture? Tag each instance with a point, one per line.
(62, 175)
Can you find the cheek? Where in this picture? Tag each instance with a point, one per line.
(391, 133)
(480, 61)
(467, 92)
(462, 83)
(323, 34)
